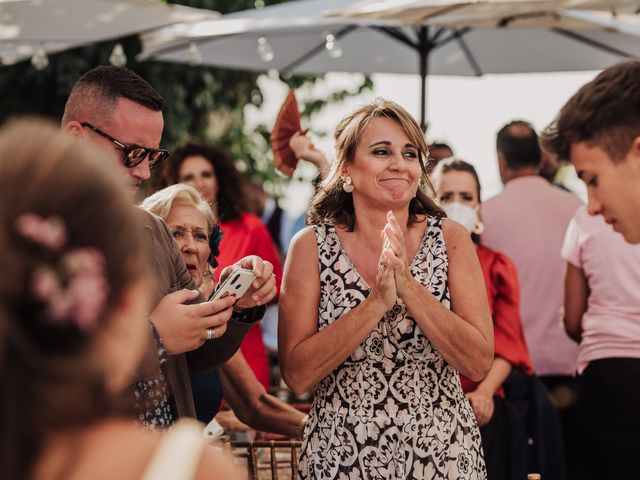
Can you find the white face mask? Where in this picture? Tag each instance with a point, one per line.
(463, 214)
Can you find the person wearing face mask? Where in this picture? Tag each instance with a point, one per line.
(458, 188)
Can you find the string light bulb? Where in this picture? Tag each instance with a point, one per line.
(265, 51)
(40, 60)
(195, 55)
(332, 46)
(118, 57)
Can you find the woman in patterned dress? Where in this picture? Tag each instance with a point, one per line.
(374, 318)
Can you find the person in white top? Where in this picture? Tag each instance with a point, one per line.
(602, 313)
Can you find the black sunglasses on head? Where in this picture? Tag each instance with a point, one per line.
(133, 154)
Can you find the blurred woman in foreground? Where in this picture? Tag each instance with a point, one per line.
(73, 297)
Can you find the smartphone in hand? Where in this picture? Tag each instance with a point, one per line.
(236, 284)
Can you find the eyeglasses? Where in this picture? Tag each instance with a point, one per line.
(133, 154)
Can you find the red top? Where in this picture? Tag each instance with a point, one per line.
(503, 290)
(249, 236)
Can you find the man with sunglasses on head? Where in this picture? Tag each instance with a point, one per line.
(116, 109)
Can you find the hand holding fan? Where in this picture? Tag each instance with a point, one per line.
(287, 123)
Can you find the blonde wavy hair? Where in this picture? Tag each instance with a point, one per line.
(160, 203)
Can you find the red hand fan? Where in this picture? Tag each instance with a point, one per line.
(287, 123)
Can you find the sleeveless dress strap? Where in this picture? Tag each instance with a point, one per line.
(178, 455)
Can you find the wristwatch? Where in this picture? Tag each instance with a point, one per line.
(249, 315)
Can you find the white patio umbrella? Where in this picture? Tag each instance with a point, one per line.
(56, 25)
(298, 37)
(476, 13)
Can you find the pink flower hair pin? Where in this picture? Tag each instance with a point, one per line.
(49, 233)
(75, 290)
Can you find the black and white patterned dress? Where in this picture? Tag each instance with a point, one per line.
(395, 408)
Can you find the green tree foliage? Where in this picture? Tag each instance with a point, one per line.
(201, 103)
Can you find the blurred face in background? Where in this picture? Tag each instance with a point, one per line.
(189, 228)
(458, 186)
(198, 172)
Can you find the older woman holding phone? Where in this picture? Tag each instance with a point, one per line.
(382, 305)
(192, 222)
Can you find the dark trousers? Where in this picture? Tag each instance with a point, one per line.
(562, 390)
(207, 394)
(495, 442)
(608, 411)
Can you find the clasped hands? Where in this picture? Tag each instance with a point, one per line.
(393, 276)
(184, 327)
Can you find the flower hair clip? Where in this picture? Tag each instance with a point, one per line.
(214, 245)
(49, 233)
(75, 289)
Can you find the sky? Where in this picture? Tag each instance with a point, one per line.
(464, 112)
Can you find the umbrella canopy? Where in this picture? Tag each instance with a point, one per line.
(477, 13)
(56, 25)
(299, 37)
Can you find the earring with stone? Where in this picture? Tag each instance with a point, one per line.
(347, 186)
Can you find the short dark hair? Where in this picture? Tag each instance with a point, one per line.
(441, 145)
(101, 87)
(517, 142)
(435, 155)
(605, 112)
(231, 200)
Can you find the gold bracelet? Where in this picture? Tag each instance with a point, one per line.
(303, 424)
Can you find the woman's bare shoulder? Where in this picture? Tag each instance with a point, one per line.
(110, 449)
(455, 234)
(304, 240)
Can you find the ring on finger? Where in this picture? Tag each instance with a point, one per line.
(383, 264)
(211, 331)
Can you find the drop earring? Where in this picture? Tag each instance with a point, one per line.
(478, 228)
(347, 186)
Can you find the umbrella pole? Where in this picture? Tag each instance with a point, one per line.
(423, 52)
(423, 92)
